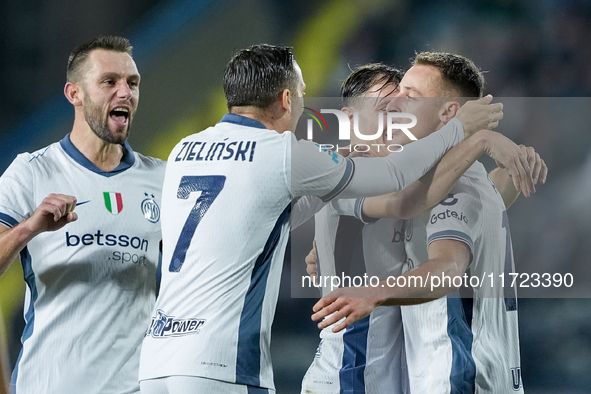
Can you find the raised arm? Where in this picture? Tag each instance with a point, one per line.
(375, 176)
(363, 177)
(416, 159)
(436, 184)
(54, 212)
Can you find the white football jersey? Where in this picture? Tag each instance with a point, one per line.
(465, 345)
(226, 210)
(367, 357)
(90, 285)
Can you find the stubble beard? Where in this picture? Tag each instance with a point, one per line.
(100, 126)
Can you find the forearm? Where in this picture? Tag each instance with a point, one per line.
(397, 171)
(448, 259)
(433, 186)
(422, 284)
(504, 185)
(12, 241)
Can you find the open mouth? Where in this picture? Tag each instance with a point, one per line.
(120, 115)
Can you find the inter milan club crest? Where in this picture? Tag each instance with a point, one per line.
(113, 202)
(150, 208)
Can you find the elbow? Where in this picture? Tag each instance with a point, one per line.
(406, 206)
(406, 214)
(402, 211)
(395, 209)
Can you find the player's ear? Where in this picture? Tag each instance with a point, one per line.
(285, 99)
(448, 111)
(349, 112)
(73, 93)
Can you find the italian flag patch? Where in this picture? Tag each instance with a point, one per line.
(113, 202)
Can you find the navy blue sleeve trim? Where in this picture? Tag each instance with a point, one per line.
(454, 235)
(343, 183)
(359, 212)
(8, 221)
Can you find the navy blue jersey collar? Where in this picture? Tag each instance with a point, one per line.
(242, 120)
(126, 162)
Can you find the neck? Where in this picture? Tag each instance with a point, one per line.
(267, 117)
(104, 155)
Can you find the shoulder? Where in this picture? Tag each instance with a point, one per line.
(476, 170)
(472, 181)
(45, 153)
(153, 167)
(37, 159)
(150, 162)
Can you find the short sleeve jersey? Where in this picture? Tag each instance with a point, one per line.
(225, 220)
(457, 345)
(90, 285)
(368, 357)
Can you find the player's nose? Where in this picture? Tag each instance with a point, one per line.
(124, 90)
(394, 104)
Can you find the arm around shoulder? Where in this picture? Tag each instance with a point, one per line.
(433, 186)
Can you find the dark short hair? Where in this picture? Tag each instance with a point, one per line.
(78, 57)
(460, 75)
(256, 75)
(365, 77)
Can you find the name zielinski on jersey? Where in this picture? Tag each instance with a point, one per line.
(217, 150)
(167, 326)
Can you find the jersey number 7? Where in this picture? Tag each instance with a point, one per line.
(209, 186)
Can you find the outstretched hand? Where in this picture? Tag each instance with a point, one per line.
(479, 114)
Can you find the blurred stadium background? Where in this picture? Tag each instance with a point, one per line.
(528, 48)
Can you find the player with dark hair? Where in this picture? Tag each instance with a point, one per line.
(451, 346)
(226, 209)
(246, 86)
(77, 61)
(91, 280)
(369, 356)
(367, 79)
